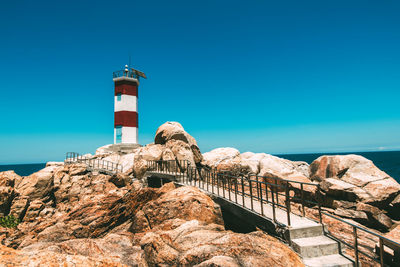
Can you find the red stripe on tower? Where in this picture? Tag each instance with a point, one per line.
(126, 118)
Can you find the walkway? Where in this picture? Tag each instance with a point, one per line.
(305, 236)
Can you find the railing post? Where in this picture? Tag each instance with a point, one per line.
(273, 203)
(195, 176)
(212, 180)
(276, 191)
(242, 190)
(217, 183)
(319, 203)
(266, 190)
(261, 199)
(223, 185)
(251, 195)
(258, 187)
(229, 187)
(207, 178)
(302, 201)
(287, 196)
(355, 245)
(236, 190)
(381, 251)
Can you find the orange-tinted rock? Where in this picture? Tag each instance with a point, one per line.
(174, 131)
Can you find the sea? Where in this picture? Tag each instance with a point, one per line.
(388, 161)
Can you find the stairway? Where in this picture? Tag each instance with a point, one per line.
(315, 248)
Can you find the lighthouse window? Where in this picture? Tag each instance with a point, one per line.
(118, 131)
(119, 97)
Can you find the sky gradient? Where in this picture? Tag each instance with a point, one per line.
(261, 76)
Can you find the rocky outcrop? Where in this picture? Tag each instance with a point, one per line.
(197, 244)
(77, 217)
(373, 185)
(274, 170)
(218, 155)
(355, 179)
(174, 131)
(7, 192)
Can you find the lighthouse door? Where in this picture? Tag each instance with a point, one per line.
(119, 134)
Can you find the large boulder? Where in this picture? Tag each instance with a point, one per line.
(174, 131)
(358, 175)
(277, 170)
(181, 151)
(187, 203)
(38, 185)
(252, 160)
(195, 243)
(216, 156)
(142, 157)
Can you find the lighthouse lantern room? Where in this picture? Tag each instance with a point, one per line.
(126, 119)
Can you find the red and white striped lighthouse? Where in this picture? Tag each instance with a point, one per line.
(126, 117)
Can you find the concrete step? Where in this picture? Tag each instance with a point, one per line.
(335, 260)
(302, 232)
(311, 247)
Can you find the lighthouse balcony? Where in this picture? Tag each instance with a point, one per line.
(124, 73)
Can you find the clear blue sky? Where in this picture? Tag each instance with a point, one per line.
(262, 76)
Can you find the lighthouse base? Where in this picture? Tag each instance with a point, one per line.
(123, 148)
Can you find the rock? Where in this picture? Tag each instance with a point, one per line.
(35, 207)
(143, 155)
(302, 167)
(120, 179)
(277, 170)
(394, 234)
(377, 218)
(252, 161)
(181, 151)
(374, 185)
(216, 156)
(79, 218)
(200, 244)
(140, 167)
(7, 193)
(55, 163)
(342, 190)
(356, 215)
(19, 206)
(235, 167)
(38, 185)
(343, 204)
(51, 257)
(149, 152)
(104, 150)
(219, 261)
(182, 203)
(168, 155)
(174, 131)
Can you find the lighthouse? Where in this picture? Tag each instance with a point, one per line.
(126, 118)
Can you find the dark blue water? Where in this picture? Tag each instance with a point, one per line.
(387, 161)
(23, 169)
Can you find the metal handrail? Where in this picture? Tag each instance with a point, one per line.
(237, 184)
(123, 73)
(72, 157)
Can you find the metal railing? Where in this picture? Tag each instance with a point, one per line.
(276, 192)
(123, 73)
(96, 164)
